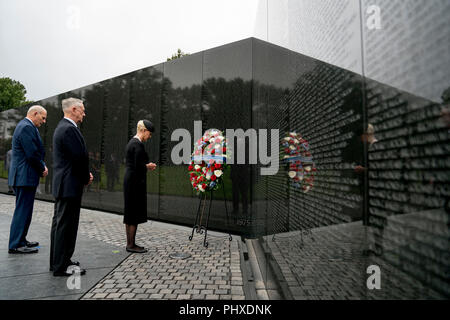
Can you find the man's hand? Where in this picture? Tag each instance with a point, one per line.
(91, 177)
(151, 166)
(45, 173)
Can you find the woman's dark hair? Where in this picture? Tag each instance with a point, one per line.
(149, 126)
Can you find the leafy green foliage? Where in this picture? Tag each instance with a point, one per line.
(12, 94)
(177, 55)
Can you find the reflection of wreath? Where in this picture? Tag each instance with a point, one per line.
(208, 161)
(300, 161)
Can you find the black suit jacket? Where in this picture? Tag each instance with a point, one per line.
(70, 161)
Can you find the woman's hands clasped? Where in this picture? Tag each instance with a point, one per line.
(151, 166)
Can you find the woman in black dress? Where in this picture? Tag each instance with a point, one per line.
(135, 183)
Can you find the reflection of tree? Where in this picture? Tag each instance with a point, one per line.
(9, 120)
(114, 106)
(227, 104)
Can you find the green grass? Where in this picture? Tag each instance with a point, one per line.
(175, 181)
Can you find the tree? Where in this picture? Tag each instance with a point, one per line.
(12, 94)
(177, 55)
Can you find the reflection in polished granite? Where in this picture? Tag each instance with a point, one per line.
(252, 84)
(328, 263)
(235, 86)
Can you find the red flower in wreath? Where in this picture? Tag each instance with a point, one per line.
(208, 162)
(301, 165)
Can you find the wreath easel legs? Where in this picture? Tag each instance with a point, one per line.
(199, 227)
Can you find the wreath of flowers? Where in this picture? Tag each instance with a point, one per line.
(300, 161)
(208, 161)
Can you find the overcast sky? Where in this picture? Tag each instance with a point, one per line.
(52, 46)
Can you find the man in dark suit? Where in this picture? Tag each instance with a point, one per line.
(70, 175)
(27, 166)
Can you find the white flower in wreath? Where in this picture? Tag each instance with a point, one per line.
(208, 175)
(200, 187)
(197, 167)
(204, 169)
(218, 173)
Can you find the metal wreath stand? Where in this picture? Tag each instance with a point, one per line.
(198, 226)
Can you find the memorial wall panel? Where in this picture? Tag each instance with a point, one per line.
(181, 106)
(145, 103)
(226, 104)
(323, 104)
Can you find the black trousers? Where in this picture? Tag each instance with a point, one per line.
(63, 236)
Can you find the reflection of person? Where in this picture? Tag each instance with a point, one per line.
(112, 171)
(240, 179)
(70, 174)
(7, 167)
(135, 183)
(48, 179)
(371, 244)
(369, 137)
(91, 168)
(27, 166)
(94, 165)
(97, 173)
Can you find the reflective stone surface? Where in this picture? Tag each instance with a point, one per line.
(347, 195)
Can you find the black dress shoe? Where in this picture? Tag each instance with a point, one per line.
(31, 244)
(23, 250)
(137, 250)
(72, 263)
(69, 272)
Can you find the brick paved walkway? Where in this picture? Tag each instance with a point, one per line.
(327, 265)
(210, 273)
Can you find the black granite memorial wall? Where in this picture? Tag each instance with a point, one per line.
(251, 84)
(322, 103)
(408, 179)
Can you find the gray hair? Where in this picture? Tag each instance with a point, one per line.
(69, 102)
(36, 108)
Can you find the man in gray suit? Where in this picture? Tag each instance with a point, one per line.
(70, 175)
